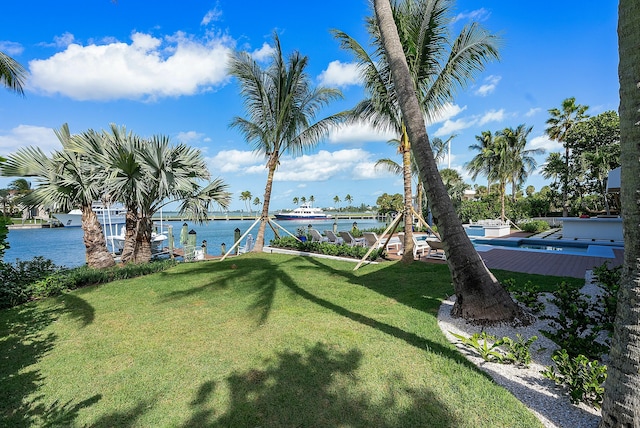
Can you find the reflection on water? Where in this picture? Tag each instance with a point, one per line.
(64, 245)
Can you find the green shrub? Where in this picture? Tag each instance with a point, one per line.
(534, 226)
(518, 351)
(342, 250)
(609, 279)
(489, 347)
(582, 377)
(527, 294)
(17, 281)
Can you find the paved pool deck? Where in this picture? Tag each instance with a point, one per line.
(544, 263)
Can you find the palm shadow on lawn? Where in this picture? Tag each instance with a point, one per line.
(23, 343)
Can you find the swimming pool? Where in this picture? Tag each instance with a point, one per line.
(547, 246)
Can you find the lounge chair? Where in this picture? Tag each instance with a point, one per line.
(436, 250)
(332, 237)
(317, 237)
(372, 239)
(419, 246)
(248, 245)
(348, 239)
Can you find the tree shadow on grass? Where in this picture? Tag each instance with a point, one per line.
(23, 343)
(317, 388)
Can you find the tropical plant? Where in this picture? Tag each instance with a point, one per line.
(624, 367)
(67, 180)
(256, 201)
(336, 200)
(559, 125)
(12, 75)
(348, 199)
(479, 295)
(281, 104)
(483, 162)
(296, 200)
(246, 197)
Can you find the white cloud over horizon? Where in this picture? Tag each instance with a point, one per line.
(358, 133)
(148, 68)
(490, 84)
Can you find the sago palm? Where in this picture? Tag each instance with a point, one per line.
(281, 106)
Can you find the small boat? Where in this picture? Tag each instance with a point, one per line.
(116, 242)
(303, 212)
(113, 214)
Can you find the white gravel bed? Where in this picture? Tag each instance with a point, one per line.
(546, 400)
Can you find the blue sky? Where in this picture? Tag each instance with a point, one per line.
(160, 68)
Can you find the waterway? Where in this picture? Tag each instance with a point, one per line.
(64, 245)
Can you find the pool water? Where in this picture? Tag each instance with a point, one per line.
(541, 245)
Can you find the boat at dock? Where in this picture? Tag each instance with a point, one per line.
(108, 214)
(303, 212)
(116, 242)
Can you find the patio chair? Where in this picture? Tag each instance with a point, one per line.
(419, 246)
(348, 239)
(371, 239)
(317, 237)
(436, 250)
(333, 239)
(248, 245)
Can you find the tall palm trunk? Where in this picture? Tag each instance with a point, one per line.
(407, 255)
(98, 257)
(479, 295)
(621, 405)
(264, 217)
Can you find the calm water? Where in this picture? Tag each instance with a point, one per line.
(64, 246)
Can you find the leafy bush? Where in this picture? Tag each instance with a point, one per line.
(609, 279)
(574, 325)
(489, 347)
(39, 278)
(342, 250)
(582, 377)
(4, 231)
(527, 294)
(534, 226)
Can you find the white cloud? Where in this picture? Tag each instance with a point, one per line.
(446, 112)
(543, 142)
(489, 86)
(212, 15)
(11, 48)
(189, 137)
(64, 40)
(452, 126)
(481, 14)
(147, 68)
(340, 74)
(492, 116)
(533, 111)
(359, 133)
(263, 53)
(28, 135)
(236, 161)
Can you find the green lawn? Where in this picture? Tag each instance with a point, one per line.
(258, 340)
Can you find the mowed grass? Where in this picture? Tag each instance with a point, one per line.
(258, 340)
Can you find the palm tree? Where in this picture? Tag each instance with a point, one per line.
(303, 200)
(348, 199)
(436, 73)
(12, 74)
(336, 200)
(521, 161)
(246, 197)
(560, 123)
(479, 295)
(67, 180)
(312, 199)
(620, 404)
(281, 105)
(482, 163)
(256, 202)
(296, 200)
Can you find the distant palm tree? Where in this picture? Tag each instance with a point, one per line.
(296, 200)
(12, 74)
(336, 200)
(256, 201)
(483, 162)
(67, 180)
(560, 123)
(312, 199)
(520, 160)
(348, 199)
(281, 105)
(246, 197)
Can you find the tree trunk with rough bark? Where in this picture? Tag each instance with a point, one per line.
(264, 217)
(479, 296)
(407, 255)
(131, 231)
(621, 404)
(98, 257)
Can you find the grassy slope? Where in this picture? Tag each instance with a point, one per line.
(276, 341)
